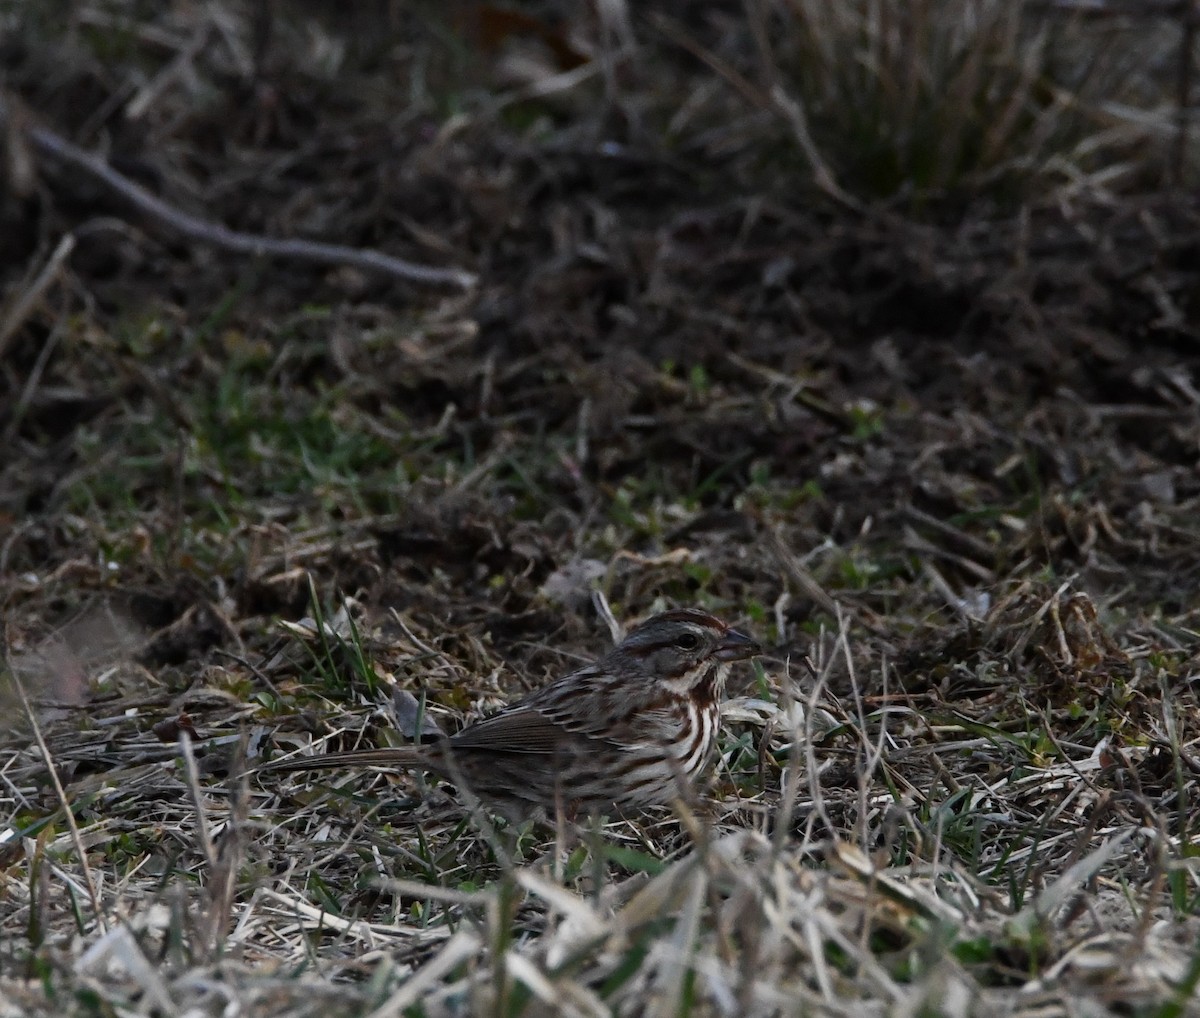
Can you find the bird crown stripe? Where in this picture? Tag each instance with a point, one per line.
(693, 615)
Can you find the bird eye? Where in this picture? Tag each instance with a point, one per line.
(687, 641)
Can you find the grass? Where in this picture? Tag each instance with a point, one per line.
(637, 911)
(751, 335)
(929, 106)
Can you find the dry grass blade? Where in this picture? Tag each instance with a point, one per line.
(314, 919)
(28, 296)
(1041, 911)
(64, 802)
(677, 951)
(461, 947)
(119, 947)
(801, 576)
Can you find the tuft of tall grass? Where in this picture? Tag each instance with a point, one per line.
(942, 97)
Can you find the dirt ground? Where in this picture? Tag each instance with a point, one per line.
(939, 455)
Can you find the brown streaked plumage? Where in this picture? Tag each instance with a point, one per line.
(612, 737)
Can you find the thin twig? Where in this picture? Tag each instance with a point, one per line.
(219, 235)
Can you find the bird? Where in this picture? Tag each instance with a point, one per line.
(633, 729)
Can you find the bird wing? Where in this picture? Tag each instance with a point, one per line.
(573, 704)
(518, 729)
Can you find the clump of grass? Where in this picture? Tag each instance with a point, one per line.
(941, 97)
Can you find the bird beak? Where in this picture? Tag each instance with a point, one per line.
(735, 646)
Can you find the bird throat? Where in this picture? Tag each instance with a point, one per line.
(703, 684)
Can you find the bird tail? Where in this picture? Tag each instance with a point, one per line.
(397, 757)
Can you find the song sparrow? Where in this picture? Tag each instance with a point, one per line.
(612, 737)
